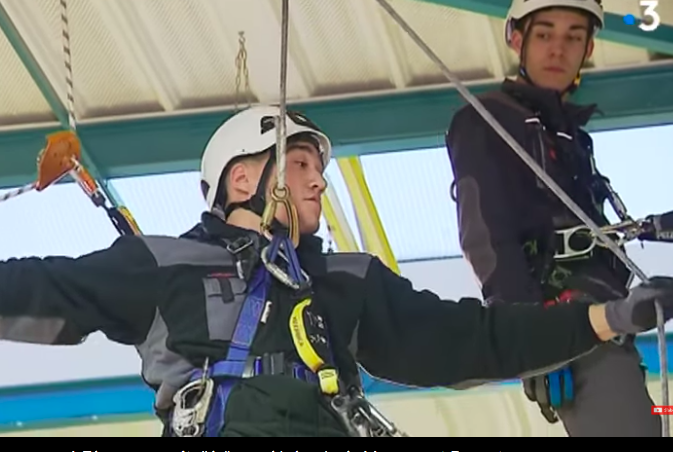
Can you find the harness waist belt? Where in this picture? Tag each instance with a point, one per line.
(200, 404)
(267, 364)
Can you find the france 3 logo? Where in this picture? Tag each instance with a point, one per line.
(651, 19)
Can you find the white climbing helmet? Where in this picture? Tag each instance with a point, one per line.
(250, 132)
(521, 8)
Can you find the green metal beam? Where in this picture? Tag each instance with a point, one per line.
(659, 40)
(42, 82)
(386, 123)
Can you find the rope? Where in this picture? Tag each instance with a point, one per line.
(19, 191)
(552, 186)
(67, 59)
(281, 126)
(242, 69)
(121, 218)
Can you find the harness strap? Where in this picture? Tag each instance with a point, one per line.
(211, 405)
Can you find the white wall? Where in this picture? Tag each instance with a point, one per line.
(100, 358)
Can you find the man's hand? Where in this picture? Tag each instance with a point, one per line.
(636, 313)
(658, 228)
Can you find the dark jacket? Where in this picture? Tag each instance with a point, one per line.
(507, 215)
(174, 300)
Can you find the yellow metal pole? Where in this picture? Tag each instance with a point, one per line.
(374, 238)
(336, 221)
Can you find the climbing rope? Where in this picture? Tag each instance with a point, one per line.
(281, 134)
(352, 407)
(120, 216)
(552, 186)
(67, 60)
(281, 193)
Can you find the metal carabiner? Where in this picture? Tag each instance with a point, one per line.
(282, 196)
(379, 425)
(355, 425)
(363, 419)
(279, 274)
(192, 402)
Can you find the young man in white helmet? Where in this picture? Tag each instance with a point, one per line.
(233, 351)
(512, 226)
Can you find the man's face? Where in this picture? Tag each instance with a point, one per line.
(555, 47)
(304, 178)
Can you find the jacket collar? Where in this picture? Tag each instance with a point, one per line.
(212, 227)
(548, 103)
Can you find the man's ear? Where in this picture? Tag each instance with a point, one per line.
(239, 179)
(590, 48)
(517, 42)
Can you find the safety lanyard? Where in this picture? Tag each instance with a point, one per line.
(308, 329)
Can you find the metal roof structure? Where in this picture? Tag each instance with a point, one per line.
(153, 78)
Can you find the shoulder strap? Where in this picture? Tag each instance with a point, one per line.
(245, 249)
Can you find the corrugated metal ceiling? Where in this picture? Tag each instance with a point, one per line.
(145, 56)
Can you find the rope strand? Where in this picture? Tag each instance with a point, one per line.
(67, 59)
(281, 126)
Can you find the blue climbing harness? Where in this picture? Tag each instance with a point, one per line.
(213, 384)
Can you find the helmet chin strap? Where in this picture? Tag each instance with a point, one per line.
(257, 201)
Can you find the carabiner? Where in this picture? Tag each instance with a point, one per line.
(282, 196)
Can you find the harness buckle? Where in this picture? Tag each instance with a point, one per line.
(239, 245)
(192, 402)
(582, 235)
(244, 262)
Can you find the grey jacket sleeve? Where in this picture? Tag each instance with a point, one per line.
(59, 300)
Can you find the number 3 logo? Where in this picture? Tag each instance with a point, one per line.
(650, 11)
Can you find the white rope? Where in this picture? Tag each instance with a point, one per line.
(281, 143)
(18, 191)
(553, 187)
(67, 59)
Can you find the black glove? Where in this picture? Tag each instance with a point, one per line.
(636, 313)
(658, 228)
